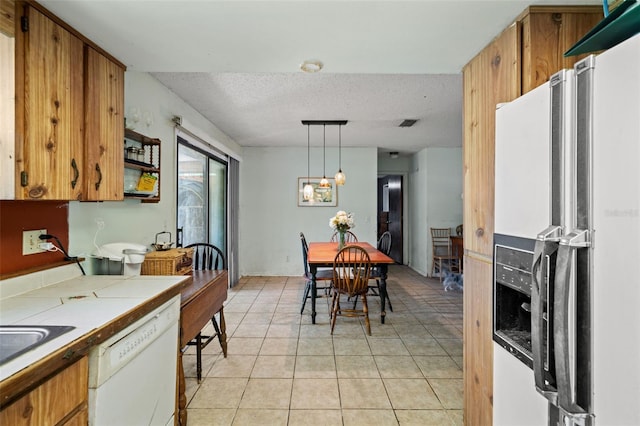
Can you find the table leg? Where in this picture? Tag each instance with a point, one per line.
(223, 337)
(383, 291)
(314, 270)
(182, 398)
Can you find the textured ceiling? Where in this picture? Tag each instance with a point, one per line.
(237, 61)
(267, 109)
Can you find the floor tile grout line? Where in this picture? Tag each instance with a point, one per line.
(397, 334)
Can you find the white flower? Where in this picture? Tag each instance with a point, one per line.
(342, 221)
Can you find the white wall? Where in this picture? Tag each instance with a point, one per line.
(270, 219)
(435, 189)
(130, 220)
(393, 166)
(418, 212)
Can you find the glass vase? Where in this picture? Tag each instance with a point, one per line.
(341, 243)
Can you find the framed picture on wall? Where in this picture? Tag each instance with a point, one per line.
(322, 197)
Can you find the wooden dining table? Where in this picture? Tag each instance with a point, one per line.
(202, 297)
(322, 254)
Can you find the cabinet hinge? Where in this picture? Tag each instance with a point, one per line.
(24, 23)
(24, 178)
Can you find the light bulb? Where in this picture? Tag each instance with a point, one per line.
(324, 183)
(308, 192)
(340, 178)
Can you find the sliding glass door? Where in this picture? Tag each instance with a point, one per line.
(202, 196)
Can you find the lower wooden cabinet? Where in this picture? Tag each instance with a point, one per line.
(61, 400)
(478, 341)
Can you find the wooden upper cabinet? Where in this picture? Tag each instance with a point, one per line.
(104, 128)
(69, 113)
(49, 111)
(8, 17)
(521, 58)
(546, 34)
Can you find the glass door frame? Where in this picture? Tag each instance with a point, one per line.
(210, 155)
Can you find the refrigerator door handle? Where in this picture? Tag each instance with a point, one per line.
(571, 413)
(546, 244)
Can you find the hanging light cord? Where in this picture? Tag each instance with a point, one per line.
(324, 150)
(308, 147)
(340, 148)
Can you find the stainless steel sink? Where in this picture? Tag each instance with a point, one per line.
(18, 339)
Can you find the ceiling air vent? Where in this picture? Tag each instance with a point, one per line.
(408, 123)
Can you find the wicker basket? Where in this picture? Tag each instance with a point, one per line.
(177, 261)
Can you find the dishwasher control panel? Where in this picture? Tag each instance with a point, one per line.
(130, 345)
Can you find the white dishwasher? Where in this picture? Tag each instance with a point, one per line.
(132, 375)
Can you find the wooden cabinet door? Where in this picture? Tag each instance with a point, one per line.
(8, 17)
(546, 34)
(63, 396)
(49, 111)
(104, 128)
(493, 76)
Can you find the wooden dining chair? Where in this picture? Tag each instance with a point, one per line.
(323, 274)
(351, 270)
(441, 252)
(349, 237)
(208, 257)
(384, 245)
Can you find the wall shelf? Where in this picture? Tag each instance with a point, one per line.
(148, 163)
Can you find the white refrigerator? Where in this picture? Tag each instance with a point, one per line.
(567, 247)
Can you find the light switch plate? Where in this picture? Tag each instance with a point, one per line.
(30, 241)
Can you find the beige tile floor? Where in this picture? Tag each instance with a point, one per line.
(283, 370)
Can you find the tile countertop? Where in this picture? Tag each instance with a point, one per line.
(88, 303)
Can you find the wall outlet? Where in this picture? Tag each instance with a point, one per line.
(47, 246)
(31, 241)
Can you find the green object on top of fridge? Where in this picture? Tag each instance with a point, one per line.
(622, 23)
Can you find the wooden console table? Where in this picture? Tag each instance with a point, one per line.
(202, 297)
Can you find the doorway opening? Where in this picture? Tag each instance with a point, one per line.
(390, 216)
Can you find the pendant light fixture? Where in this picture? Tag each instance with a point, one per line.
(324, 183)
(307, 192)
(340, 177)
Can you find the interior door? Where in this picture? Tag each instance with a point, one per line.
(390, 212)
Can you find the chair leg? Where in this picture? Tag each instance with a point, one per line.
(440, 270)
(307, 289)
(365, 308)
(199, 357)
(334, 309)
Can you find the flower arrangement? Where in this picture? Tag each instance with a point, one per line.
(342, 221)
